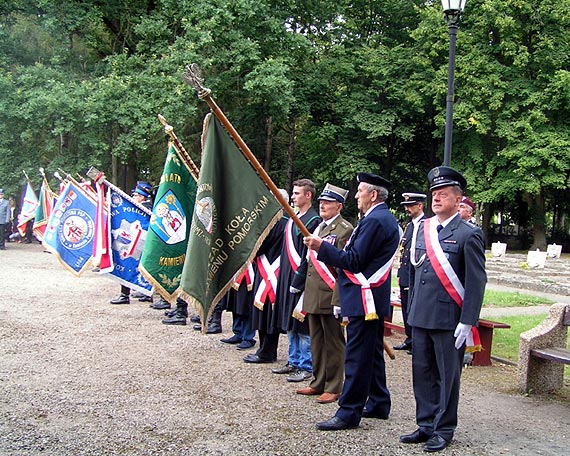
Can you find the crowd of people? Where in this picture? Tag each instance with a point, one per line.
(9, 231)
(330, 291)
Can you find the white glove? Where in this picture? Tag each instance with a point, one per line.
(294, 290)
(336, 311)
(461, 332)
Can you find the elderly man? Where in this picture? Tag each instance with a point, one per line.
(414, 205)
(466, 210)
(364, 267)
(448, 255)
(320, 299)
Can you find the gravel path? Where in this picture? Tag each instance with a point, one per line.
(79, 376)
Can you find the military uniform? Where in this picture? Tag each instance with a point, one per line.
(327, 337)
(435, 315)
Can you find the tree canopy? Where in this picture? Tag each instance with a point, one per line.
(320, 89)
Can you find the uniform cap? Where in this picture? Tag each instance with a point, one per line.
(143, 188)
(466, 200)
(2, 190)
(444, 176)
(413, 198)
(373, 179)
(333, 193)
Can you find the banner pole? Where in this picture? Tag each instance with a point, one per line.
(99, 176)
(193, 78)
(169, 130)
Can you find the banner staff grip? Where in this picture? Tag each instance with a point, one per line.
(192, 76)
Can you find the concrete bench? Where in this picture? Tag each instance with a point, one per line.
(543, 352)
(486, 328)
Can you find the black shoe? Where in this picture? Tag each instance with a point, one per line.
(145, 299)
(246, 345)
(160, 305)
(121, 299)
(403, 346)
(409, 352)
(435, 443)
(170, 313)
(254, 359)
(235, 339)
(175, 320)
(418, 436)
(137, 295)
(197, 327)
(334, 424)
(367, 414)
(214, 329)
(195, 319)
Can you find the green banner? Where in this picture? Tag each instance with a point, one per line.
(167, 238)
(234, 212)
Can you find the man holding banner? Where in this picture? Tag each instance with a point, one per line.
(448, 279)
(142, 195)
(364, 267)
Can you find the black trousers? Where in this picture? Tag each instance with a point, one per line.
(2, 235)
(436, 371)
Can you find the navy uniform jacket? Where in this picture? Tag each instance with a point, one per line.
(404, 269)
(372, 244)
(431, 306)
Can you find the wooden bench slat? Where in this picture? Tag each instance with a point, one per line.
(560, 355)
(493, 324)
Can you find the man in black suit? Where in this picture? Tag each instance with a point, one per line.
(448, 255)
(414, 205)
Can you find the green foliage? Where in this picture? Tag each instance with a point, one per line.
(317, 89)
(506, 341)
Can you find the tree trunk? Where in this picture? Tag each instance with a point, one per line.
(268, 142)
(537, 217)
(290, 154)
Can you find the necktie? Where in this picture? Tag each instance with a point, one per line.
(439, 228)
(322, 227)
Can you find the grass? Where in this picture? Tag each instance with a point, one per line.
(495, 298)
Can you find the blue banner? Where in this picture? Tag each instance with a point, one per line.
(70, 229)
(128, 226)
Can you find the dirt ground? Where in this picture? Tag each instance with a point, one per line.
(79, 376)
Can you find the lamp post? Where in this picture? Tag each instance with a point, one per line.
(452, 10)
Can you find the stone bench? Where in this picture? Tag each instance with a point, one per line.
(543, 352)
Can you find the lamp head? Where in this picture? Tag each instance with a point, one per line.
(453, 5)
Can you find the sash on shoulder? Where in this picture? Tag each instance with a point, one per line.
(292, 254)
(266, 288)
(448, 277)
(366, 285)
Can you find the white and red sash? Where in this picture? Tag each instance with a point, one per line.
(266, 289)
(246, 275)
(292, 254)
(323, 270)
(447, 276)
(366, 285)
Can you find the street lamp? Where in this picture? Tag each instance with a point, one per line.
(452, 10)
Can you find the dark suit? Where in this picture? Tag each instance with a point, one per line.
(373, 243)
(404, 277)
(436, 363)
(327, 337)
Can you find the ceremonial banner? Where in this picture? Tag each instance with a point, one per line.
(165, 249)
(69, 231)
(233, 214)
(127, 226)
(43, 211)
(102, 257)
(28, 208)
